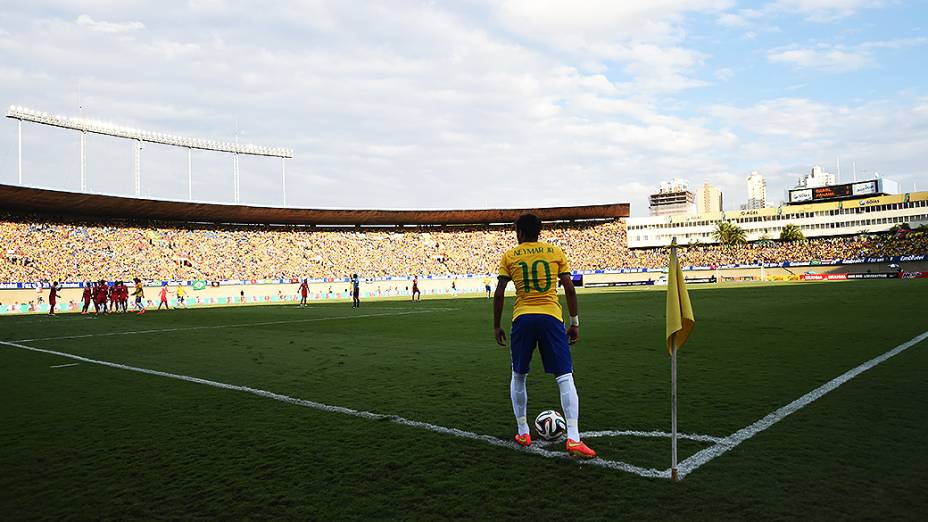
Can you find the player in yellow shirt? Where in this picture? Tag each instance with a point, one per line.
(181, 301)
(139, 294)
(535, 268)
(486, 285)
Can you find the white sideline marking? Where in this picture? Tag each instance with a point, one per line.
(609, 464)
(237, 325)
(65, 365)
(702, 457)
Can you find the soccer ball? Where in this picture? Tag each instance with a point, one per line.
(550, 425)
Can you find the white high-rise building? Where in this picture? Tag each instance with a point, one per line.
(817, 178)
(708, 199)
(757, 191)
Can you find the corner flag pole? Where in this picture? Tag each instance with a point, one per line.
(673, 406)
(680, 322)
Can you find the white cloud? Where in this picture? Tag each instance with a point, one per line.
(108, 27)
(583, 22)
(786, 136)
(839, 58)
(725, 73)
(732, 20)
(641, 38)
(827, 59)
(824, 10)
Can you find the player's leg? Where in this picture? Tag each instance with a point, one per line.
(555, 355)
(522, 339)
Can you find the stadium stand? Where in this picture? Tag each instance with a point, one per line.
(39, 245)
(42, 248)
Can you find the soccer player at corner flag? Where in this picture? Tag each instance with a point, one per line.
(535, 268)
(680, 320)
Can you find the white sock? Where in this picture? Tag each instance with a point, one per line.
(519, 397)
(570, 402)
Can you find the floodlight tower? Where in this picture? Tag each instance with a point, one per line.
(137, 137)
(137, 166)
(83, 164)
(19, 149)
(235, 174)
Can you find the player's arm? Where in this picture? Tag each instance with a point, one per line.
(498, 298)
(573, 332)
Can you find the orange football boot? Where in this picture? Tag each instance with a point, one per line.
(524, 440)
(579, 449)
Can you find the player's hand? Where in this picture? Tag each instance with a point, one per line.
(573, 334)
(500, 336)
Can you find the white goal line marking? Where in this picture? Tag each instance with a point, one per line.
(702, 457)
(237, 325)
(489, 439)
(65, 365)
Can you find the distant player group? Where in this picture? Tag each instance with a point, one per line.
(109, 299)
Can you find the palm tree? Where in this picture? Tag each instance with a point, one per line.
(791, 233)
(729, 234)
(900, 226)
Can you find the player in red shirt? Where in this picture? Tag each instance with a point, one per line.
(304, 291)
(113, 292)
(86, 297)
(164, 297)
(415, 289)
(53, 298)
(124, 296)
(99, 299)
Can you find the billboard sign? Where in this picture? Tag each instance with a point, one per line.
(800, 196)
(864, 189)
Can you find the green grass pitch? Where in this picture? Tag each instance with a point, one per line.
(94, 442)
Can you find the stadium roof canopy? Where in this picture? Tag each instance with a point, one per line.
(44, 201)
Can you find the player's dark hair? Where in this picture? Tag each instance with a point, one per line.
(529, 225)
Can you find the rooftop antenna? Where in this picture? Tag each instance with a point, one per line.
(854, 163)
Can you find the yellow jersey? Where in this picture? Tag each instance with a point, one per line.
(180, 291)
(138, 290)
(534, 268)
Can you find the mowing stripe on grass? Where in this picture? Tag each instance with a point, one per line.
(694, 462)
(609, 464)
(237, 325)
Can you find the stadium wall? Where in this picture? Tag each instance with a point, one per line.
(13, 301)
(26, 300)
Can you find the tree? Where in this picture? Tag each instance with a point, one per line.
(791, 233)
(896, 228)
(729, 234)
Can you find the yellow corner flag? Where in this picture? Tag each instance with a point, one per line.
(680, 319)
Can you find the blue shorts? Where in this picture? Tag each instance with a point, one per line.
(549, 334)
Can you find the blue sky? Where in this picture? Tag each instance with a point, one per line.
(418, 104)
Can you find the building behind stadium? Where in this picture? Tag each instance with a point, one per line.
(864, 207)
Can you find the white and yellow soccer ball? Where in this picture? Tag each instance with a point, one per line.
(550, 425)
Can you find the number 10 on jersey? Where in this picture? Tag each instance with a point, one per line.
(534, 281)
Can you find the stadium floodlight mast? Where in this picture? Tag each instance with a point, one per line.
(138, 136)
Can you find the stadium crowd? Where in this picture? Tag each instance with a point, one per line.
(45, 248)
